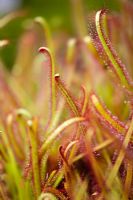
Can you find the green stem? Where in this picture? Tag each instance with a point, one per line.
(34, 154)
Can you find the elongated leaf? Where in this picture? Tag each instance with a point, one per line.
(67, 96)
(106, 116)
(117, 65)
(48, 53)
(57, 131)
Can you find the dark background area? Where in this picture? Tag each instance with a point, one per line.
(58, 13)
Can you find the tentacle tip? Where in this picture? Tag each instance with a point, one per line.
(57, 76)
(103, 11)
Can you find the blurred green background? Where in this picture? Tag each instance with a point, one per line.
(58, 13)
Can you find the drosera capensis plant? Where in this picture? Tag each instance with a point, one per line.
(77, 144)
(52, 70)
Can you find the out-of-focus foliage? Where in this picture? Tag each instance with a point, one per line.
(58, 14)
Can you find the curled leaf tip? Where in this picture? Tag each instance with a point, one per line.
(57, 76)
(4, 43)
(43, 50)
(29, 123)
(103, 11)
(38, 19)
(23, 112)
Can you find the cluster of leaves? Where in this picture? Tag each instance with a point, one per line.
(58, 139)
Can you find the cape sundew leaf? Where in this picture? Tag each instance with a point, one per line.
(118, 67)
(67, 96)
(106, 116)
(121, 155)
(33, 125)
(11, 16)
(85, 100)
(48, 53)
(43, 23)
(57, 131)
